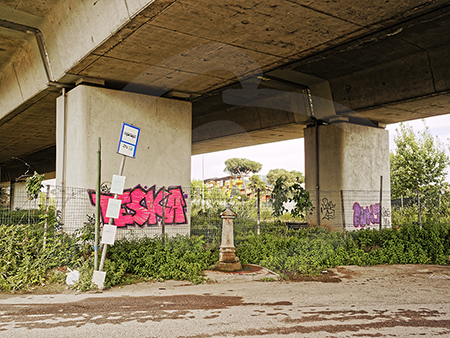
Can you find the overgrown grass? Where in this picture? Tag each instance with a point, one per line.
(133, 260)
(297, 251)
(405, 245)
(179, 258)
(25, 262)
(309, 251)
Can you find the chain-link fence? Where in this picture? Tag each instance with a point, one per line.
(144, 211)
(351, 209)
(71, 206)
(152, 211)
(435, 200)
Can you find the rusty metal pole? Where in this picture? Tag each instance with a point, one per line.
(344, 229)
(381, 202)
(258, 221)
(163, 222)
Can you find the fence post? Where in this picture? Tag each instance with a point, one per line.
(163, 222)
(420, 209)
(381, 202)
(258, 221)
(46, 216)
(344, 229)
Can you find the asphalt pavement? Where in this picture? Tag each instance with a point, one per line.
(381, 301)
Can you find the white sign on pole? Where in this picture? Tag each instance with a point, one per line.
(99, 278)
(109, 234)
(113, 210)
(129, 138)
(118, 183)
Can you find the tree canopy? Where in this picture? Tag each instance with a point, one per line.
(241, 166)
(256, 183)
(288, 177)
(418, 164)
(296, 193)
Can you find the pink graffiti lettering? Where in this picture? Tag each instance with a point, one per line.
(363, 217)
(145, 206)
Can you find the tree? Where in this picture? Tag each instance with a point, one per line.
(242, 167)
(34, 185)
(296, 193)
(257, 184)
(288, 177)
(418, 164)
(279, 197)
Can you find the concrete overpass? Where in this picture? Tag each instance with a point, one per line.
(248, 72)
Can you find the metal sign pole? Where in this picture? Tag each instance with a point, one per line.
(97, 204)
(258, 219)
(163, 221)
(105, 246)
(129, 138)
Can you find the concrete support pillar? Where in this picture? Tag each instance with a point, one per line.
(163, 155)
(344, 166)
(228, 261)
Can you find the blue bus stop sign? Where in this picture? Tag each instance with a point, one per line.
(128, 140)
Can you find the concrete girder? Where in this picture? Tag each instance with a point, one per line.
(355, 46)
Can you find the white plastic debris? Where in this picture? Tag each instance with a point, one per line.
(72, 277)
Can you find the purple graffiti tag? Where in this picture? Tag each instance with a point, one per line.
(363, 217)
(141, 206)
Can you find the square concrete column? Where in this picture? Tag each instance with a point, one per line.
(163, 156)
(343, 175)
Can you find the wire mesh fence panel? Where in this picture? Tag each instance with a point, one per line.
(350, 209)
(17, 208)
(143, 212)
(153, 211)
(148, 211)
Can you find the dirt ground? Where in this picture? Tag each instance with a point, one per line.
(351, 301)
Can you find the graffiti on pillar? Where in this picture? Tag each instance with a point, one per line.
(365, 216)
(386, 217)
(327, 209)
(105, 187)
(144, 207)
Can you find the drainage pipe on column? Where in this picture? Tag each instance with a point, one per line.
(316, 124)
(63, 165)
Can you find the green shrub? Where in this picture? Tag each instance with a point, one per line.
(308, 251)
(179, 258)
(405, 245)
(25, 262)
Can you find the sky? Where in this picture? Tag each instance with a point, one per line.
(289, 155)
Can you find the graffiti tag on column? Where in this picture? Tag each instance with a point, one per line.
(327, 209)
(141, 206)
(364, 216)
(386, 217)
